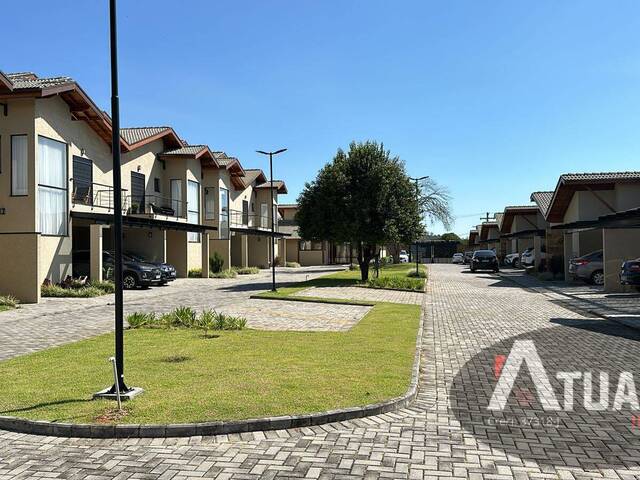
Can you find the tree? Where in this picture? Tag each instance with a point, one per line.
(364, 197)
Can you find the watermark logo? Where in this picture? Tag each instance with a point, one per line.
(523, 352)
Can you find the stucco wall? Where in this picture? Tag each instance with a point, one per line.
(627, 196)
(194, 255)
(177, 253)
(618, 245)
(146, 242)
(311, 257)
(19, 260)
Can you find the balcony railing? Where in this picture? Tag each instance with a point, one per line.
(98, 195)
(154, 204)
(238, 218)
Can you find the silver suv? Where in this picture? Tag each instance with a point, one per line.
(589, 268)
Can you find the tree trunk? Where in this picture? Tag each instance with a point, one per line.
(365, 254)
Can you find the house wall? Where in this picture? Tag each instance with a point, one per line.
(627, 196)
(149, 243)
(177, 252)
(618, 245)
(259, 247)
(311, 257)
(20, 265)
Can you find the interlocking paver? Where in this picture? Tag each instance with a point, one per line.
(469, 319)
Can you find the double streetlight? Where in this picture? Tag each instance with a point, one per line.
(273, 223)
(417, 180)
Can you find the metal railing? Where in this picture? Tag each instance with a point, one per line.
(154, 204)
(238, 218)
(98, 195)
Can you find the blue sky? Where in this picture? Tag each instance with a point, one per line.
(492, 99)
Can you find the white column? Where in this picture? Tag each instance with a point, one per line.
(95, 252)
(244, 250)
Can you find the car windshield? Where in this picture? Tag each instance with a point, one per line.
(484, 253)
(134, 257)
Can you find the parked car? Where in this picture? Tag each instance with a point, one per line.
(528, 257)
(467, 257)
(630, 273)
(168, 270)
(457, 258)
(403, 256)
(134, 273)
(512, 260)
(484, 260)
(589, 268)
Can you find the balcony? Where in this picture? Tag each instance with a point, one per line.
(239, 219)
(95, 195)
(155, 206)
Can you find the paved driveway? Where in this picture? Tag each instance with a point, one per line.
(61, 320)
(472, 322)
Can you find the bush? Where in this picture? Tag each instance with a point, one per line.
(223, 274)
(59, 292)
(354, 266)
(106, 286)
(186, 317)
(388, 260)
(9, 301)
(195, 273)
(216, 263)
(421, 274)
(246, 270)
(396, 283)
(292, 264)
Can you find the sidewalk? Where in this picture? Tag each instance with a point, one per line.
(582, 298)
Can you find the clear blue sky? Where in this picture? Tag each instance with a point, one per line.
(493, 99)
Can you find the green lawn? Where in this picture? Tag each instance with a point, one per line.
(239, 374)
(4, 307)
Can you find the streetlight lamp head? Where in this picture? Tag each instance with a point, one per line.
(280, 151)
(262, 152)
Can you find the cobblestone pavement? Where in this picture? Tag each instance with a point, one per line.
(365, 294)
(471, 319)
(61, 320)
(298, 316)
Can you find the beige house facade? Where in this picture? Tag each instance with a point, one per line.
(56, 192)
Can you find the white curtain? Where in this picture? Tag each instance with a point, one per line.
(176, 197)
(210, 204)
(52, 187)
(264, 215)
(193, 207)
(19, 162)
(223, 224)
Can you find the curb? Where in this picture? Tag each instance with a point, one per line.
(38, 427)
(293, 298)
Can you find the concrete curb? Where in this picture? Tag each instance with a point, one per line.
(37, 427)
(330, 301)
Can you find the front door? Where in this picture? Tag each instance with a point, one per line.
(137, 192)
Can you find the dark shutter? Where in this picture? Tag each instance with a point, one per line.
(245, 212)
(137, 192)
(82, 180)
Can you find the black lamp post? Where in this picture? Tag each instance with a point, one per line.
(273, 222)
(418, 200)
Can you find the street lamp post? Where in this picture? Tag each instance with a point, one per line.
(418, 200)
(273, 222)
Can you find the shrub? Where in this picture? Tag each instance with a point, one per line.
(354, 266)
(207, 321)
(195, 273)
(292, 264)
(397, 283)
(388, 260)
(421, 274)
(246, 270)
(184, 317)
(9, 301)
(224, 274)
(59, 292)
(216, 262)
(106, 286)
(139, 319)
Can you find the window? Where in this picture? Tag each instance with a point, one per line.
(19, 173)
(176, 197)
(193, 208)
(245, 212)
(82, 181)
(209, 203)
(264, 215)
(156, 185)
(223, 227)
(307, 245)
(52, 187)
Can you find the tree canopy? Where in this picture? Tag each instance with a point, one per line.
(364, 197)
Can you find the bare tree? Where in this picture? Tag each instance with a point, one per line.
(435, 202)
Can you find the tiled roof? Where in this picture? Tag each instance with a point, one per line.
(251, 174)
(276, 184)
(599, 177)
(28, 80)
(138, 134)
(521, 207)
(186, 150)
(543, 200)
(287, 205)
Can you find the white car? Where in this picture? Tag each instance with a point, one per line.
(403, 256)
(512, 259)
(457, 258)
(528, 257)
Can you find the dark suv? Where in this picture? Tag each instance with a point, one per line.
(168, 270)
(484, 260)
(134, 274)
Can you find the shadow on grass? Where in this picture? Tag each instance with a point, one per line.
(44, 404)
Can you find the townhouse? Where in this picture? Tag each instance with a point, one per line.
(181, 202)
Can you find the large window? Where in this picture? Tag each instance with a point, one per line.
(176, 197)
(264, 215)
(193, 207)
(223, 226)
(19, 160)
(209, 203)
(52, 187)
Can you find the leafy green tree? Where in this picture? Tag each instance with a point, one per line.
(364, 197)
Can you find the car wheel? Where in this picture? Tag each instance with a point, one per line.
(129, 281)
(597, 277)
(515, 263)
(496, 270)
(473, 270)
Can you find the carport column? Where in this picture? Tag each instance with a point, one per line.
(537, 251)
(244, 250)
(568, 254)
(283, 257)
(204, 239)
(163, 253)
(95, 252)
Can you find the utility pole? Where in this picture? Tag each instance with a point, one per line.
(417, 180)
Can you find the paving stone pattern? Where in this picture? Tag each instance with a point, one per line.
(364, 294)
(470, 318)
